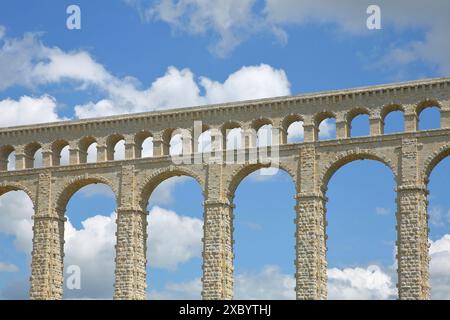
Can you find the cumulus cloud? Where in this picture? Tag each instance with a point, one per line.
(232, 22)
(187, 290)
(440, 268)
(166, 251)
(27, 110)
(30, 63)
(370, 283)
(269, 283)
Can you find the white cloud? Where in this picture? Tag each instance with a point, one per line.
(269, 283)
(28, 110)
(163, 194)
(28, 62)
(178, 88)
(15, 219)
(166, 250)
(370, 283)
(232, 21)
(8, 267)
(92, 249)
(189, 290)
(440, 268)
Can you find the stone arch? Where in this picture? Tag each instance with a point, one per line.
(390, 108)
(347, 157)
(433, 160)
(30, 151)
(84, 145)
(426, 104)
(258, 123)
(152, 181)
(5, 151)
(73, 185)
(243, 171)
(57, 147)
(287, 122)
(111, 143)
(15, 186)
(227, 127)
(139, 140)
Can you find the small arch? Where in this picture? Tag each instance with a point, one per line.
(159, 176)
(33, 154)
(88, 149)
(428, 115)
(57, 152)
(258, 123)
(232, 135)
(325, 126)
(358, 122)
(393, 118)
(293, 129)
(264, 136)
(115, 147)
(144, 144)
(71, 187)
(6, 163)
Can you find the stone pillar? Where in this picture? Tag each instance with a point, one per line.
(132, 150)
(412, 228)
(103, 154)
(311, 265)
(376, 125)
(74, 153)
(310, 132)
(411, 118)
(217, 239)
(218, 251)
(48, 246)
(342, 129)
(160, 147)
(131, 244)
(131, 251)
(21, 158)
(47, 156)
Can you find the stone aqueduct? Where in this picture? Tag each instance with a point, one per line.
(411, 155)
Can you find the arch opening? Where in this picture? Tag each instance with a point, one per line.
(361, 234)
(437, 178)
(429, 117)
(16, 241)
(144, 144)
(175, 228)
(325, 126)
(89, 239)
(359, 124)
(263, 260)
(7, 158)
(88, 150)
(393, 119)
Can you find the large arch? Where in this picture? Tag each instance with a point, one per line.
(153, 180)
(17, 211)
(73, 185)
(243, 171)
(361, 234)
(342, 159)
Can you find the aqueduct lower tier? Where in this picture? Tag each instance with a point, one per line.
(410, 155)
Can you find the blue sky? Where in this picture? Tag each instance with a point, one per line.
(133, 55)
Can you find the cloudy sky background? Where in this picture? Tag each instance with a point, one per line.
(133, 56)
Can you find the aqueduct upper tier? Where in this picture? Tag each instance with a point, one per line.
(411, 155)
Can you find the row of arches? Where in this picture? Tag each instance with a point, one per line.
(232, 135)
(249, 236)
